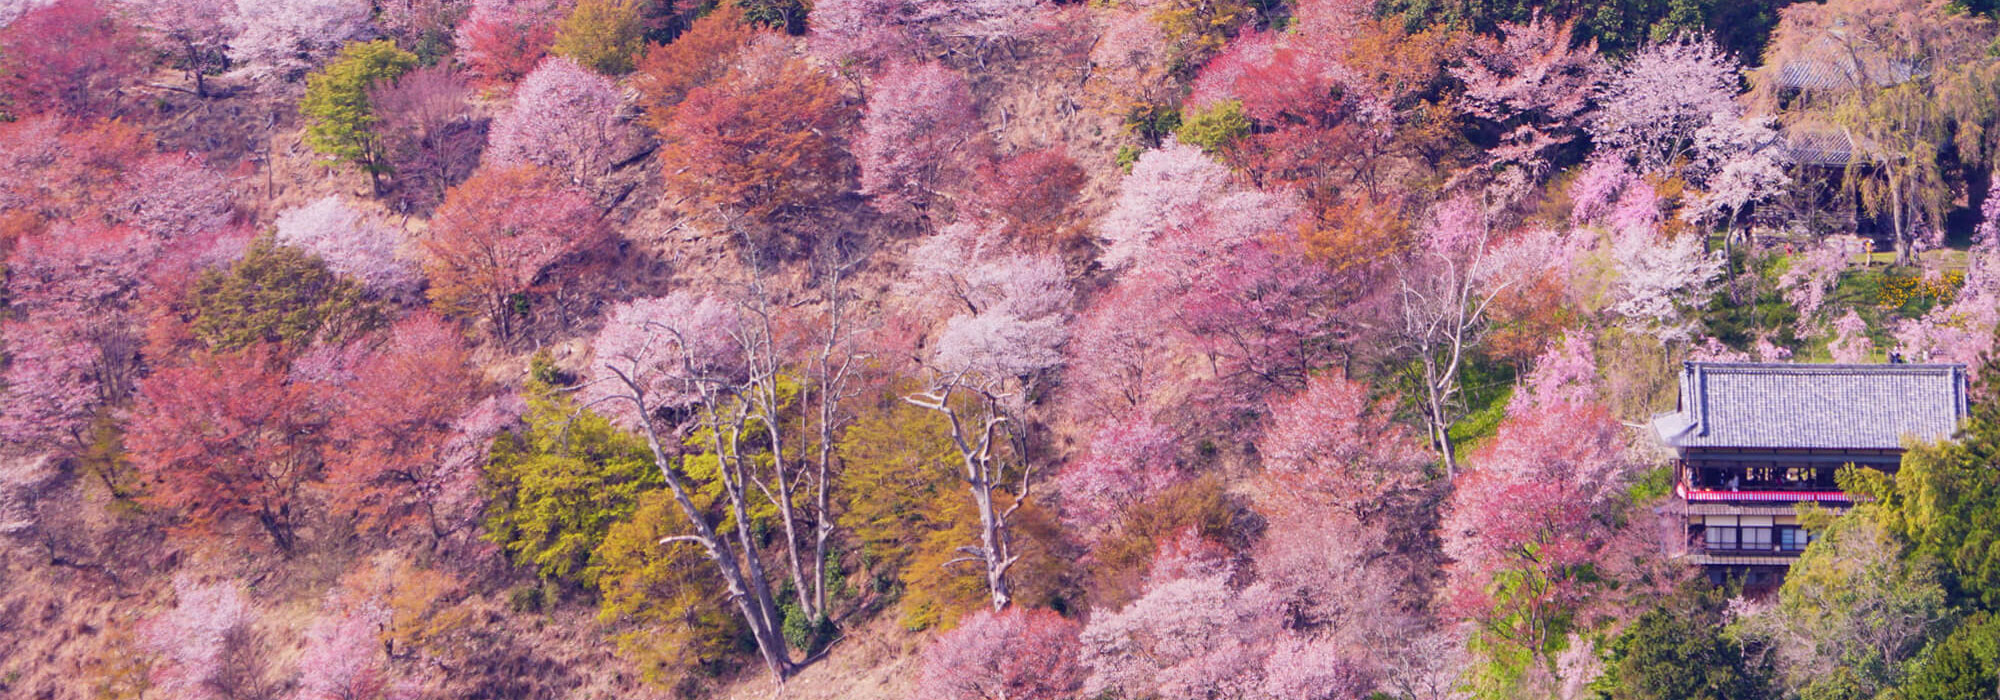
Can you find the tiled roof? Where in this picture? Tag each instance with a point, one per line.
(1778, 405)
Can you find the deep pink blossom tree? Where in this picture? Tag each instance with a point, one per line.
(73, 58)
(920, 138)
(353, 242)
(1535, 510)
(1015, 653)
(564, 118)
(1651, 107)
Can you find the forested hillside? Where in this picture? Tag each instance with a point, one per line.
(971, 349)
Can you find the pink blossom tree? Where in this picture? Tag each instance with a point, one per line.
(1130, 460)
(353, 242)
(196, 640)
(564, 118)
(1811, 276)
(1333, 444)
(343, 658)
(173, 195)
(1651, 107)
(1533, 85)
(70, 342)
(1189, 637)
(1535, 510)
(1014, 653)
(289, 36)
(920, 138)
(1850, 343)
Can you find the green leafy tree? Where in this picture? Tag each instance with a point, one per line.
(1676, 651)
(278, 294)
(559, 486)
(661, 595)
(340, 119)
(1963, 666)
(1213, 129)
(606, 36)
(1851, 612)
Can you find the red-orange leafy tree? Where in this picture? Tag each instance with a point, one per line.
(396, 425)
(761, 143)
(226, 439)
(496, 233)
(71, 58)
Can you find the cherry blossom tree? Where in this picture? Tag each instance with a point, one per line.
(920, 138)
(1332, 443)
(502, 40)
(1812, 275)
(353, 242)
(565, 119)
(199, 638)
(1532, 84)
(1190, 637)
(173, 195)
(1130, 460)
(1850, 343)
(1528, 524)
(1014, 653)
(1659, 279)
(343, 658)
(1651, 108)
(70, 343)
(72, 57)
(195, 32)
(289, 36)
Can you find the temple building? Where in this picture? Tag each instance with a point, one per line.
(1751, 441)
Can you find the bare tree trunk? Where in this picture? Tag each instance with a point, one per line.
(982, 471)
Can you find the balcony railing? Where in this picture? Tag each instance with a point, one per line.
(1694, 495)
